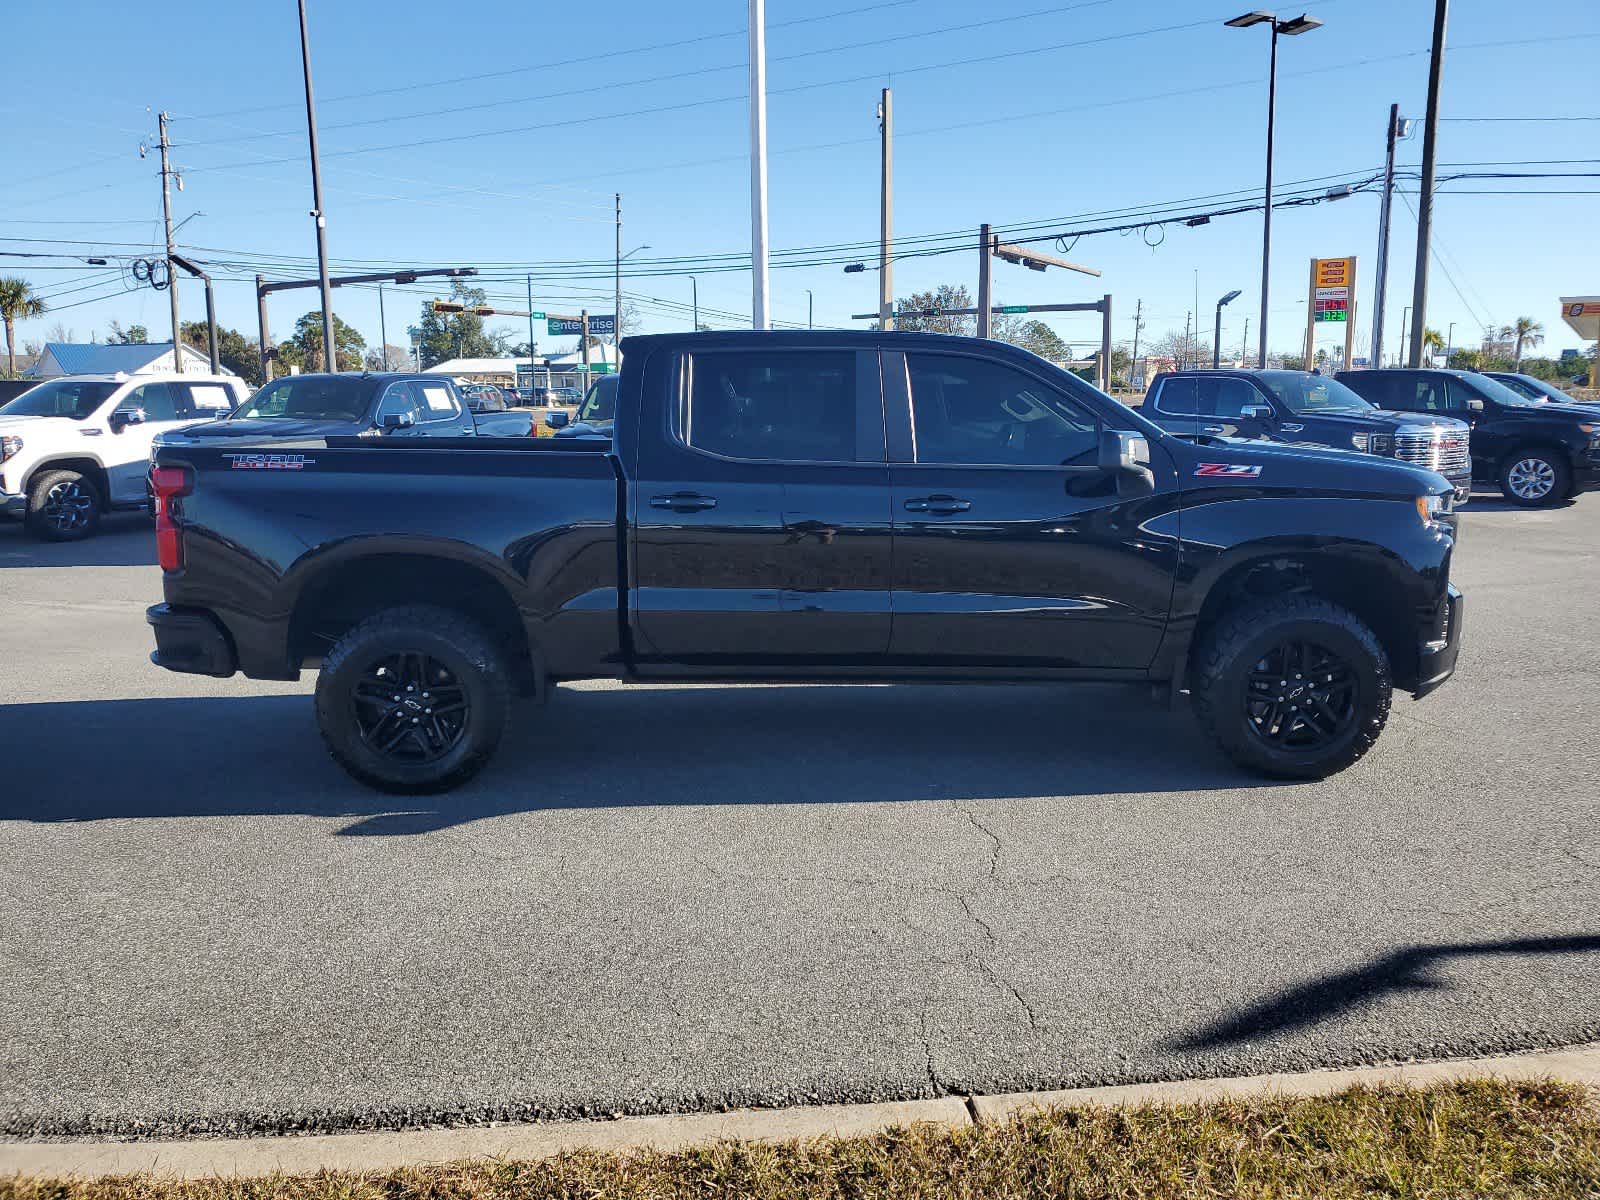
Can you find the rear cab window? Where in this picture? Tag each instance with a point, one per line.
(794, 406)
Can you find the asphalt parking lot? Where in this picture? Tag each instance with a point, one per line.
(679, 898)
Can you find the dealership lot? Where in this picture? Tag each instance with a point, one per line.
(769, 894)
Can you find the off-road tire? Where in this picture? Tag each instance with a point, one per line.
(1560, 476)
(449, 638)
(1234, 647)
(39, 520)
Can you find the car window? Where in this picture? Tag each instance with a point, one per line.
(969, 412)
(434, 401)
(398, 399)
(1228, 398)
(156, 399)
(1430, 394)
(205, 399)
(310, 398)
(798, 407)
(75, 399)
(1178, 397)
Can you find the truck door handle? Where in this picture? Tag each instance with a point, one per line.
(937, 504)
(1215, 428)
(683, 502)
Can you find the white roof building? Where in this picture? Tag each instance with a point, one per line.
(103, 358)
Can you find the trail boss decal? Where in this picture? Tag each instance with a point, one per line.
(268, 462)
(1230, 470)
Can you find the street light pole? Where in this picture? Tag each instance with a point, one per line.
(759, 311)
(1449, 340)
(1301, 24)
(694, 287)
(1430, 141)
(810, 310)
(616, 330)
(1381, 287)
(1216, 337)
(330, 353)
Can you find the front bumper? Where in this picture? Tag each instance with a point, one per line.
(190, 640)
(13, 506)
(1586, 473)
(1436, 655)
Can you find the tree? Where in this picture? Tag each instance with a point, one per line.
(1185, 351)
(1432, 341)
(943, 298)
(1527, 332)
(454, 335)
(236, 351)
(1037, 337)
(18, 302)
(304, 349)
(133, 335)
(392, 358)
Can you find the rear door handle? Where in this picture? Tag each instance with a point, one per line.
(937, 504)
(684, 502)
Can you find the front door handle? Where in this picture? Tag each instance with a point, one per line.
(1215, 428)
(1293, 428)
(937, 504)
(683, 502)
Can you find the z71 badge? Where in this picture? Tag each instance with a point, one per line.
(268, 462)
(1230, 470)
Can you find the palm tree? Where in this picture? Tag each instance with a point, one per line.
(1528, 332)
(1432, 340)
(17, 303)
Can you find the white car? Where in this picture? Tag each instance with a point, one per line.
(76, 447)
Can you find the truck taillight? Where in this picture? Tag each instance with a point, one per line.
(168, 483)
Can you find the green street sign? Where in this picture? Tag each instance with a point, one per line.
(1013, 308)
(537, 316)
(600, 368)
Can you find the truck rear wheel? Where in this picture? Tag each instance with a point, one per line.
(1292, 686)
(63, 506)
(413, 700)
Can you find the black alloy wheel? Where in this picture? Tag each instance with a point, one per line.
(410, 708)
(1301, 696)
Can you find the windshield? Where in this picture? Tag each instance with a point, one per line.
(310, 398)
(1500, 393)
(1307, 395)
(73, 398)
(601, 402)
(1536, 390)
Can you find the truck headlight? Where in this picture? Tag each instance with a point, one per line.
(1361, 441)
(1381, 443)
(10, 447)
(1434, 509)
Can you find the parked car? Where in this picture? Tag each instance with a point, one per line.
(1538, 453)
(790, 506)
(1540, 391)
(388, 404)
(484, 397)
(77, 447)
(1306, 409)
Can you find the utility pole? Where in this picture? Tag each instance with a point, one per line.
(1244, 342)
(1188, 319)
(383, 334)
(985, 286)
(530, 331)
(760, 316)
(886, 214)
(1266, 208)
(616, 328)
(1138, 326)
(1382, 284)
(172, 271)
(811, 310)
(261, 319)
(1430, 141)
(1405, 328)
(583, 338)
(694, 287)
(330, 349)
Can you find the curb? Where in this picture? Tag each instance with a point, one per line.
(246, 1157)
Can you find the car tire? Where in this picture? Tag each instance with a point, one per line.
(1535, 477)
(1292, 686)
(395, 741)
(63, 506)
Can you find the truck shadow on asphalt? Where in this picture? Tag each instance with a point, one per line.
(614, 748)
(1414, 969)
(124, 540)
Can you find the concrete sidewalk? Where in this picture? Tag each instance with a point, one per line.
(243, 1157)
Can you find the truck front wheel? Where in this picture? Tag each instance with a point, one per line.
(63, 506)
(413, 700)
(1292, 686)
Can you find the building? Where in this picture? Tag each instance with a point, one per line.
(557, 371)
(131, 358)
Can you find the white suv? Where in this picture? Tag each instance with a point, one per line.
(79, 446)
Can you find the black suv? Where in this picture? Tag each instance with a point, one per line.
(1538, 453)
(1303, 408)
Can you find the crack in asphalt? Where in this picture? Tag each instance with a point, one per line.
(927, 1050)
(994, 854)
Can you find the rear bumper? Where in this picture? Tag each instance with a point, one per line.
(1436, 656)
(190, 640)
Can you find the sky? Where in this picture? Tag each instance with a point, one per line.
(497, 134)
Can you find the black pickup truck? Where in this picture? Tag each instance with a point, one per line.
(810, 506)
(1302, 408)
(387, 404)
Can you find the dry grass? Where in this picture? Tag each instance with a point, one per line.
(1477, 1139)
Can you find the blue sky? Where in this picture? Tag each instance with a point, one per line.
(1013, 111)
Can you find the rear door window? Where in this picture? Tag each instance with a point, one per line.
(781, 406)
(1228, 398)
(1178, 397)
(434, 401)
(158, 400)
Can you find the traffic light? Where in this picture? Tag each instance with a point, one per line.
(448, 306)
(482, 310)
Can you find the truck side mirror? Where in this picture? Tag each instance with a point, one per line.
(390, 421)
(557, 419)
(123, 417)
(1256, 412)
(1126, 456)
(1474, 404)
